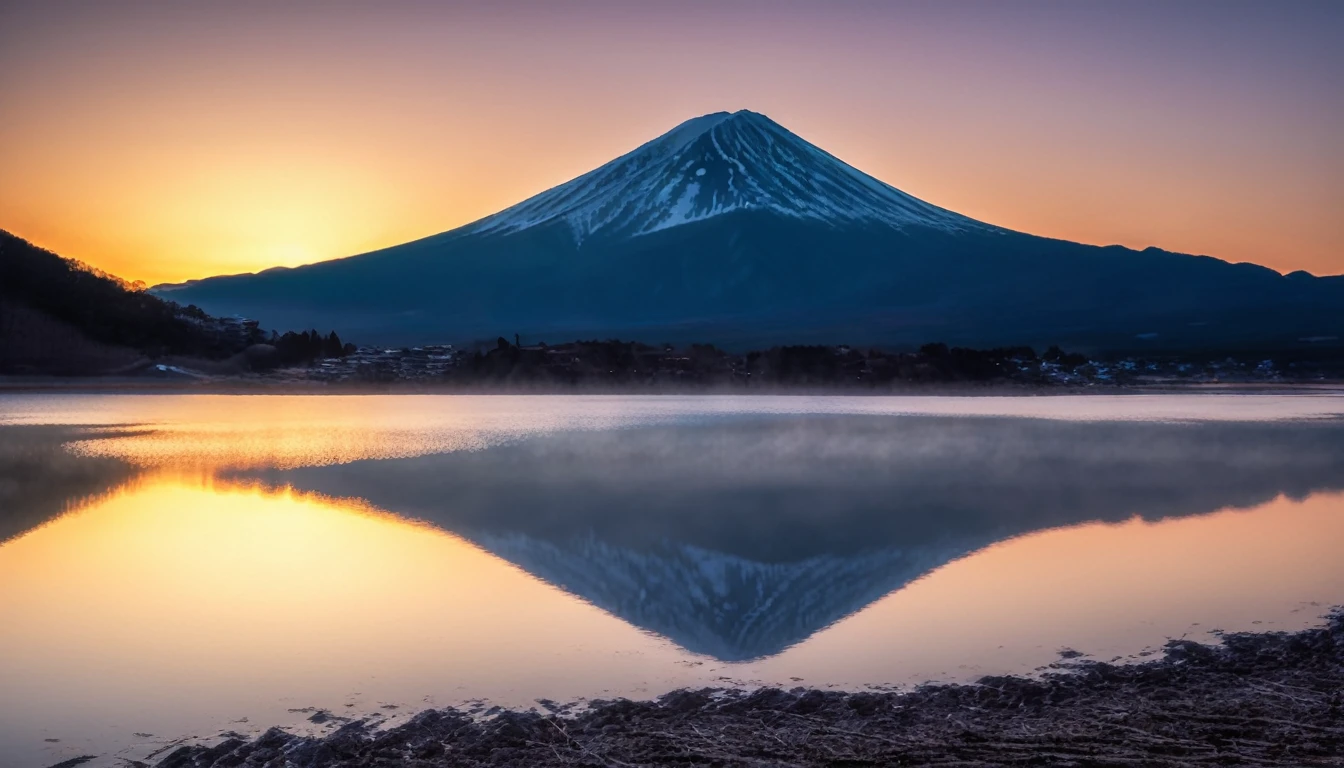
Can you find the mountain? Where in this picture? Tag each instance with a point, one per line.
(732, 230)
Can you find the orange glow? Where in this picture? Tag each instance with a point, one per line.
(241, 589)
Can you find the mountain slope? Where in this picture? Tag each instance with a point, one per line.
(731, 229)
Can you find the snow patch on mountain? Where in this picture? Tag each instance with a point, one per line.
(712, 165)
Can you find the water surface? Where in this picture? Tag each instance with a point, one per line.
(186, 565)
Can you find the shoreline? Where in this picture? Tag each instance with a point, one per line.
(108, 385)
(1258, 698)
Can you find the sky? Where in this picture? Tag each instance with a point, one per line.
(164, 141)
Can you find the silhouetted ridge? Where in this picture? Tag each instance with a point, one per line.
(52, 300)
(61, 316)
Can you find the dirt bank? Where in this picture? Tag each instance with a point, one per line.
(1259, 699)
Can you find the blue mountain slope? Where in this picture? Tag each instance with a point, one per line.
(731, 229)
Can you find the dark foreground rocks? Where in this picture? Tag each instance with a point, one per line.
(1258, 699)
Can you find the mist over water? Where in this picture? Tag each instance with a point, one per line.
(172, 565)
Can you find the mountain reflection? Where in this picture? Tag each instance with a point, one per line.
(743, 536)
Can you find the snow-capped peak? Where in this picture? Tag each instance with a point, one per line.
(711, 165)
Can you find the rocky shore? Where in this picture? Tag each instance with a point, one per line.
(1257, 699)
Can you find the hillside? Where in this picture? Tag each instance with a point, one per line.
(59, 316)
(730, 229)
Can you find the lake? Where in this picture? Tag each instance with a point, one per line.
(178, 566)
